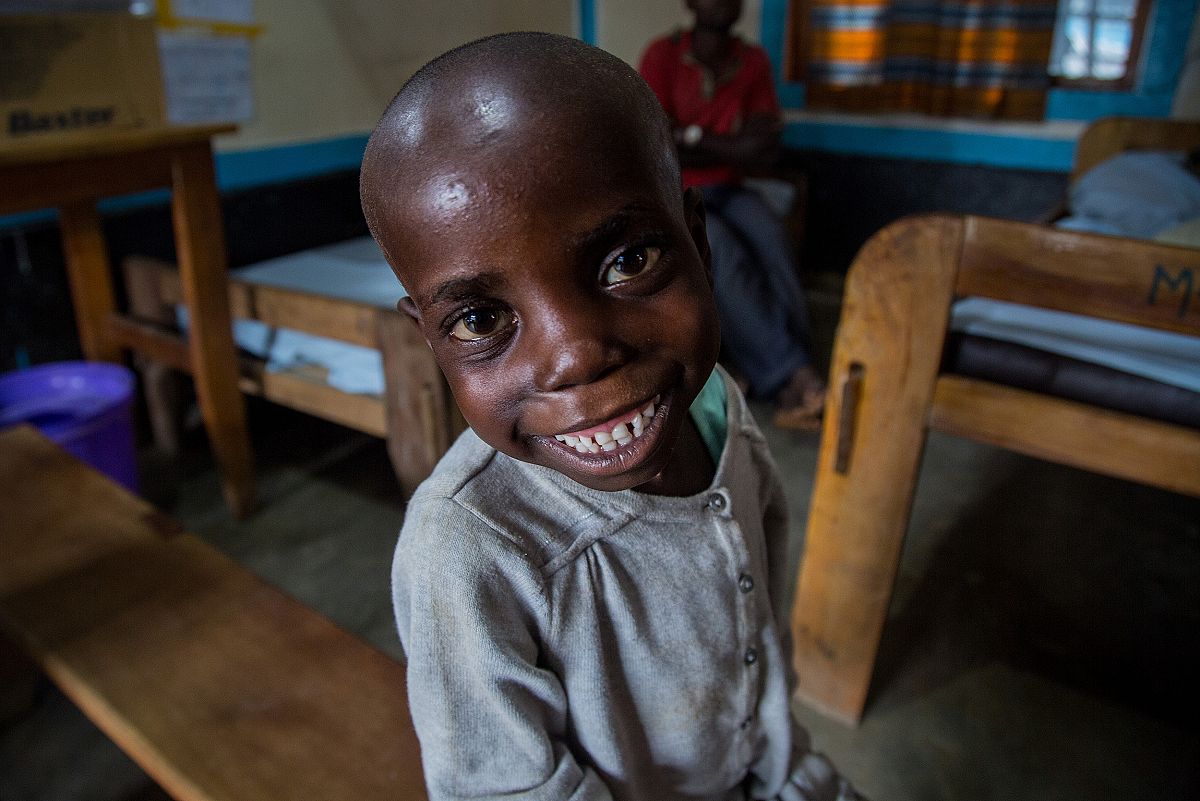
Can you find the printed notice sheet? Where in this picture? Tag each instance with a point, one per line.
(206, 78)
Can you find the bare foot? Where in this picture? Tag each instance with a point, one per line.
(801, 401)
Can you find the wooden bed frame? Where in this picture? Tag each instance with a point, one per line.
(886, 393)
(416, 414)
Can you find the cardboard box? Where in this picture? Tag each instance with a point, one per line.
(71, 76)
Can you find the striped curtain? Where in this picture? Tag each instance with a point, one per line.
(963, 58)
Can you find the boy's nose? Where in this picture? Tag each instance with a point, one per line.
(576, 352)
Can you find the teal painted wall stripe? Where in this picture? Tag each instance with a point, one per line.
(1015, 152)
(587, 21)
(771, 34)
(241, 169)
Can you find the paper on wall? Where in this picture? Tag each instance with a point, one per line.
(206, 78)
(236, 11)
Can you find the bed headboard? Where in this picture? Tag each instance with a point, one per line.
(1111, 135)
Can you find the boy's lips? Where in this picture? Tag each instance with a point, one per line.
(624, 453)
(616, 432)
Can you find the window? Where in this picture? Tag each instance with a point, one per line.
(1096, 42)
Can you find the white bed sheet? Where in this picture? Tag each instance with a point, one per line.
(1158, 355)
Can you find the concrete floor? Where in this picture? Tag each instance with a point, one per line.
(1043, 639)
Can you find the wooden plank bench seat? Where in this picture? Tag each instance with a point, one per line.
(219, 685)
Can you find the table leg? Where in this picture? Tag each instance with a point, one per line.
(200, 249)
(90, 275)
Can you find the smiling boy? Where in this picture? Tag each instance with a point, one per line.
(591, 588)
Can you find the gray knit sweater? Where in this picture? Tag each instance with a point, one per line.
(565, 643)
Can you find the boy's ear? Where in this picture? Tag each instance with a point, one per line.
(694, 216)
(406, 305)
(409, 309)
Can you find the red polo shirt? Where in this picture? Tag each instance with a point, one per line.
(692, 95)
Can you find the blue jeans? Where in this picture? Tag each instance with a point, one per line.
(764, 320)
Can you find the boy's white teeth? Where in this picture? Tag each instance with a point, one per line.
(621, 435)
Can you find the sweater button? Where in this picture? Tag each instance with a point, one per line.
(745, 582)
(716, 502)
(751, 656)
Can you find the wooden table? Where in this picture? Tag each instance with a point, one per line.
(220, 686)
(71, 178)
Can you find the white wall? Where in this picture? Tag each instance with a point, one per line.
(326, 68)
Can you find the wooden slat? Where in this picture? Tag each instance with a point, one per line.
(54, 184)
(304, 389)
(221, 687)
(898, 296)
(313, 314)
(108, 144)
(1125, 280)
(154, 341)
(90, 276)
(1122, 445)
(344, 320)
(1106, 138)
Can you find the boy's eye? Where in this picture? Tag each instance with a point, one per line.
(480, 323)
(629, 263)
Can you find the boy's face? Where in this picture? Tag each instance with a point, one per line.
(564, 292)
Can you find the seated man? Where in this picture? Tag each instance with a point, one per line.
(717, 90)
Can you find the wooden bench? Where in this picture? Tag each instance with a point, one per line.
(216, 683)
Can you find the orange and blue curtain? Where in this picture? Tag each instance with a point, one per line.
(965, 58)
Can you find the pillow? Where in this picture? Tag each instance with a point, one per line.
(1138, 193)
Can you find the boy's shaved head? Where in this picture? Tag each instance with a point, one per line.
(526, 191)
(510, 90)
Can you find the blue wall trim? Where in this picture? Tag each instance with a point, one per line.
(1170, 26)
(1016, 152)
(238, 170)
(587, 21)
(242, 169)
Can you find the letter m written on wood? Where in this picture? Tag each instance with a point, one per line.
(1180, 284)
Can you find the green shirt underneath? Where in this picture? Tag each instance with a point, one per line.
(708, 412)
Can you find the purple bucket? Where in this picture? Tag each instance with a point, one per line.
(86, 407)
